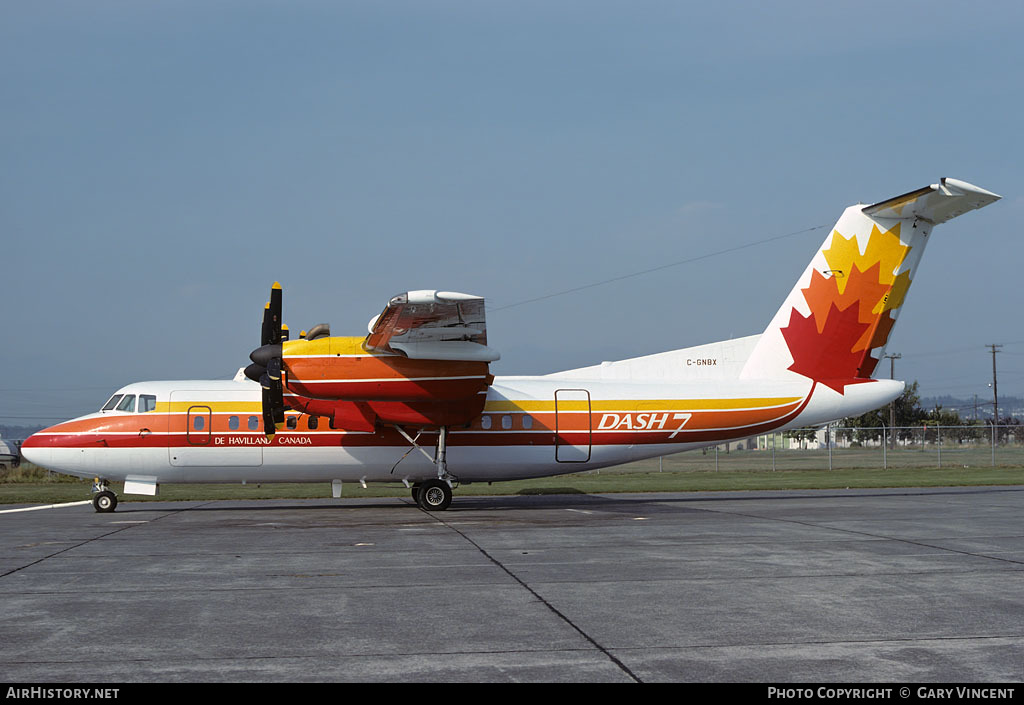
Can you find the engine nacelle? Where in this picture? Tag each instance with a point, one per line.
(339, 379)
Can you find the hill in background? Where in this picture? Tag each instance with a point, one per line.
(968, 409)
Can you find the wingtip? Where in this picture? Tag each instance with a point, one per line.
(969, 188)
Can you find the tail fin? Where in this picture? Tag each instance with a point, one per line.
(835, 323)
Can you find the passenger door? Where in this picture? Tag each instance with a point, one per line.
(572, 425)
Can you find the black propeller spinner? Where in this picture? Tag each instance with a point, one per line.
(266, 367)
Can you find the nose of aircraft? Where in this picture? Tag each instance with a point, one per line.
(36, 450)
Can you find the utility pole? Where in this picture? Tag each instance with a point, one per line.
(995, 387)
(892, 404)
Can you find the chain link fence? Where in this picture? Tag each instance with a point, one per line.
(838, 447)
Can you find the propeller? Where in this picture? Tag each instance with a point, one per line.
(266, 363)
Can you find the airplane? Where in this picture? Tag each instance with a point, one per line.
(413, 401)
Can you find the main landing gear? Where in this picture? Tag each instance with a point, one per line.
(433, 495)
(103, 500)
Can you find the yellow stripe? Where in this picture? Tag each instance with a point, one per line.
(219, 407)
(648, 404)
(507, 405)
(332, 345)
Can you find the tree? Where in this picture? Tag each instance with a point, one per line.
(802, 435)
(1008, 428)
(940, 417)
(908, 413)
(962, 429)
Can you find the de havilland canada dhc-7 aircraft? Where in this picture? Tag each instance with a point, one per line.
(414, 401)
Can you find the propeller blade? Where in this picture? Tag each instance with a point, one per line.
(275, 314)
(277, 407)
(271, 330)
(265, 330)
(269, 427)
(266, 367)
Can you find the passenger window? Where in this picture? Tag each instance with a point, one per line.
(312, 422)
(527, 421)
(506, 422)
(127, 404)
(334, 424)
(198, 422)
(147, 403)
(233, 423)
(254, 423)
(485, 422)
(292, 423)
(112, 403)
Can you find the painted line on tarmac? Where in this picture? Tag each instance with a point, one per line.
(46, 506)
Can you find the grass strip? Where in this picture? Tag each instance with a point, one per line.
(605, 481)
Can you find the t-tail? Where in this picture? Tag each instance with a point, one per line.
(836, 322)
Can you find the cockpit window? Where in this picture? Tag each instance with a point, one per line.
(112, 402)
(147, 403)
(127, 404)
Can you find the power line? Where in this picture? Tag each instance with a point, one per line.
(53, 389)
(659, 268)
(951, 351)
(45, 418)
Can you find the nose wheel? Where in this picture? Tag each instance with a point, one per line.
(103, 500)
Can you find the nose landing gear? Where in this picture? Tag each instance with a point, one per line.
(103, 500)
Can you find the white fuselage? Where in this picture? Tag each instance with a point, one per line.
(200, 432)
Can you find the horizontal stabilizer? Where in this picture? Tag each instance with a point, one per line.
(936, 203)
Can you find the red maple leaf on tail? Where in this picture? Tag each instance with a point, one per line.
(827, 357)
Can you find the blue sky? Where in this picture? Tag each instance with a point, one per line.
(163, 163)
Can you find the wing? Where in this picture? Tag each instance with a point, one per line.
(433, 325)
